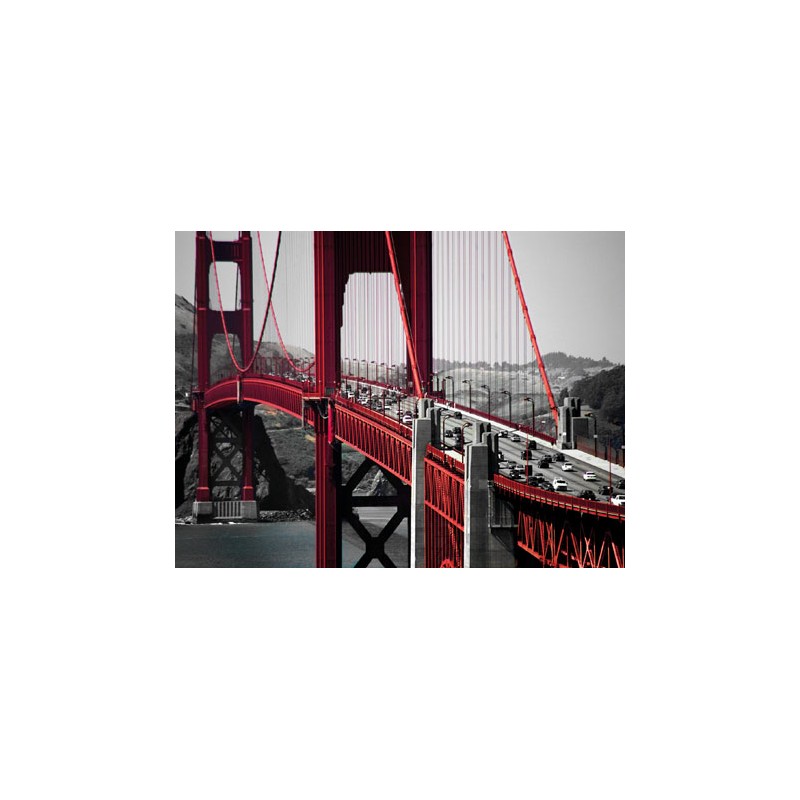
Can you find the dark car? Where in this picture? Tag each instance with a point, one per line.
(587, 494)
(457, 415)
(543, 462)
(535, 480)
(621, 483)
(558, 457)
(606, 490)
(503, 434)
(546, 485)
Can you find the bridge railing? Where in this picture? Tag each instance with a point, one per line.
(444, 509)
(377, 416)
(521, 427)
(596, 447)
(559, 499)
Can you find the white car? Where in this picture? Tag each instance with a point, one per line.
(407, 418)
(618, 500)
(560, 485)
(567, 467)
(589, 476)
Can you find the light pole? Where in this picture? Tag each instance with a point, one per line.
(443, 431)
(469, 381)
(445, 379)
(463, 443)
(506, 392)
(533, 416)
(484, 386)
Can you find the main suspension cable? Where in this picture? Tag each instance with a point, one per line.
(240, 369)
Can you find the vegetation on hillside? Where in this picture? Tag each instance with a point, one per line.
(605, 394)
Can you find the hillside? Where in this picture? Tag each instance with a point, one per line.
(284, 451)
(220, 358)
(605, 394)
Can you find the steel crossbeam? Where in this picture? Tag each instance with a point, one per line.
(444, 512)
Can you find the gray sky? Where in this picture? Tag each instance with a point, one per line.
(574, 284)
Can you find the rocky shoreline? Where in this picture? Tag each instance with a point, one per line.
(263, 516)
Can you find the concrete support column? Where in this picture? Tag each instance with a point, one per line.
(481, 549)
(421, 438)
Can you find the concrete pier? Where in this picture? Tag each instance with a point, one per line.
(422, 434)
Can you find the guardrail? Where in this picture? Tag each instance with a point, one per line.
(594, 447)
(227, 509)
(559, 500)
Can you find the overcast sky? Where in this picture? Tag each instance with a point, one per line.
(574, 284)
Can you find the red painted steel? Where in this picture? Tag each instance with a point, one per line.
(270, 391)
(412, 351)
(542, 372)
(557, 530)
(444, 510)
(558, 499)
(376, 437)
(561, 542)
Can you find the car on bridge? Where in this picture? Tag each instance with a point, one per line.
(618, 500)
(606, 490)
(587, 494)
(567, 467)
(589, 476)
(544, 462)
(558, 457)
(515, 437)
(547, 485)
(560, 485)
(407, 418)
(503, 434)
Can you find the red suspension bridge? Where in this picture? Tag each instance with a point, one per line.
(417, 350)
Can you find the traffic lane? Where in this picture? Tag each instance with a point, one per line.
(576, 483)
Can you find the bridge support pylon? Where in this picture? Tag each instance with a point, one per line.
(421, 437)
(481, 547)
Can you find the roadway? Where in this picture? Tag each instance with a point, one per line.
(513, 450)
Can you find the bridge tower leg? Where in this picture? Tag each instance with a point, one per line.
(239, 322)
(328, 450)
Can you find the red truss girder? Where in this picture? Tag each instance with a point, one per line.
(558, 539)
(258, 390)
(444, 512)
(376, 437)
